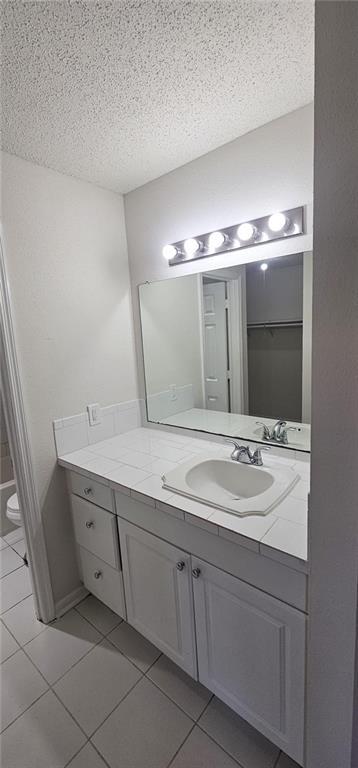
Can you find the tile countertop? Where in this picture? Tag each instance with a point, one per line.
(134, 462)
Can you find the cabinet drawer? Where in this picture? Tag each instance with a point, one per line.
(91, 490)
(101, 580)
(96, 530)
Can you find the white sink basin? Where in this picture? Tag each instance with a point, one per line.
(242, 489)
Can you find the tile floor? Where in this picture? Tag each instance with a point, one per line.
(89, 692)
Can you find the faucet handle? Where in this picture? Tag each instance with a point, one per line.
(257, 458)
(233, 442)
(266, 430)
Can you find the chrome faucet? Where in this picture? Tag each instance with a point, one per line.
(245, 455)
(278, 433)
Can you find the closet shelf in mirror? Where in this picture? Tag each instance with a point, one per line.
(285, 324)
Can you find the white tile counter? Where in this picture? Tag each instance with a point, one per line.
(133, 463)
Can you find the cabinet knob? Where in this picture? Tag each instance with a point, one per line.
(97, 574)
(181, 565)
(89, 524)
(196, 573)
(87, 491)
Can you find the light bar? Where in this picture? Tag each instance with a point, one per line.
(275, 226)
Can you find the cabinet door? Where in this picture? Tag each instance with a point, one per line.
(158, 590)
(251, 654)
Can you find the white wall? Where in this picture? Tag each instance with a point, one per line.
(307, 338)
(171, 335)
(333, 528)
(67, 263)
(266, 170)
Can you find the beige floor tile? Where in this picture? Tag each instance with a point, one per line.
(61, 645)
(22, 621)
(14, 587)
(145, 730)
(139, 650)
(87, 758)
(16, 535)
(286, 762)
(8, 645)
(20, 547)
(45, 736)
(9, 561)
(21, 685)
(189, 695)
(94, 686)
(237, 737)
(98, 614)
(199, 751)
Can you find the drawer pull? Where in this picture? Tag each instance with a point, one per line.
(181, 565)
(196, 572)
(98, 574)
(87, 491)
(89, 524)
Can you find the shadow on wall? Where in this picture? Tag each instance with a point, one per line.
(59, 537)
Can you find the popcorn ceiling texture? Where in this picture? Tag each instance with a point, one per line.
(119, 93)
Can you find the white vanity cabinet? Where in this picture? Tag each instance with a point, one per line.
(246, 646)
(228, 616)
(158, 591)
(96, 535)
(251, 654)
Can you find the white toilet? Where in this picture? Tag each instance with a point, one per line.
(13, 510)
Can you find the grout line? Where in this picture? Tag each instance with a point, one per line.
(125, 655)
(181, 745)
(100, 754)
(75, 607)
(22, 565)
(189, 733)
(24, 711)
(50, 687)
(173, 700)
(229, 754)
(18, 603)
(76, 754)
(117, 705)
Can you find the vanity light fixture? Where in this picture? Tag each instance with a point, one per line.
(191, 246)
(216, 240)
(264, 266)
(278, 222)
(246, 234)
(169, 252)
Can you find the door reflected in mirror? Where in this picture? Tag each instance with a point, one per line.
(226, 349)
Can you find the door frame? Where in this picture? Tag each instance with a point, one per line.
(18, 436)
(237, 335)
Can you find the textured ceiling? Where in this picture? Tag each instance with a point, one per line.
(119, 93)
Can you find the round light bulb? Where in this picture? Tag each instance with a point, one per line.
(278, 222)
(169, 252)
(216, 240)
(246, 232)
(191, 246)
(264, 266)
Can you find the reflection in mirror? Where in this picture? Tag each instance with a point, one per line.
(229, 348)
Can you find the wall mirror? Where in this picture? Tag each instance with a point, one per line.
(228, 348)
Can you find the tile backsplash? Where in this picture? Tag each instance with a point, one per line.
(75, 432)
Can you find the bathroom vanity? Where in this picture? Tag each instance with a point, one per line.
(205, 586)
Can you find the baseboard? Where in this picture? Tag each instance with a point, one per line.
(72, 599)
